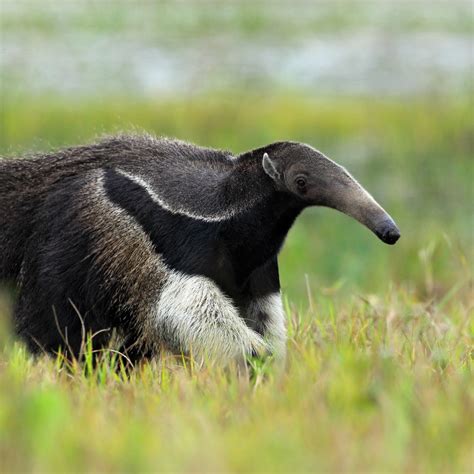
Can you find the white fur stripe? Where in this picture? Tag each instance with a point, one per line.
(178, 210)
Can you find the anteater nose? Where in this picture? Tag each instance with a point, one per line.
(391, 236)
(388, 232)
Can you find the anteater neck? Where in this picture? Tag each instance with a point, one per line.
(257, 235)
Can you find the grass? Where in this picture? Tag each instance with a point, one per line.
(379, 376)
(379, 384)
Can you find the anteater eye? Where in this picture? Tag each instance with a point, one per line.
(301, 182)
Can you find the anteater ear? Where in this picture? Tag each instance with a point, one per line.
(270, 168)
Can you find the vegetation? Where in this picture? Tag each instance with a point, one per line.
(193, 18)
(379, 376)
(376, 385)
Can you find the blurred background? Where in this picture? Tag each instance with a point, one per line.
(384, 88)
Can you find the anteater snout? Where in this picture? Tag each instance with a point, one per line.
(388, 232)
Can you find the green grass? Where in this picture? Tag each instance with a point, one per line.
(379, 376)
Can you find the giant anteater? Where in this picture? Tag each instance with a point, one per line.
(168, 245)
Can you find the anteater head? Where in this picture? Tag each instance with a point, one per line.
(314, 179)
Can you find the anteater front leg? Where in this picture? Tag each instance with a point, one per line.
(264, 309)
(194, 316)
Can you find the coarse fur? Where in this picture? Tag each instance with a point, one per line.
(169, 245)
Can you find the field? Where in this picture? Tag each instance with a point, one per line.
(380, 351)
